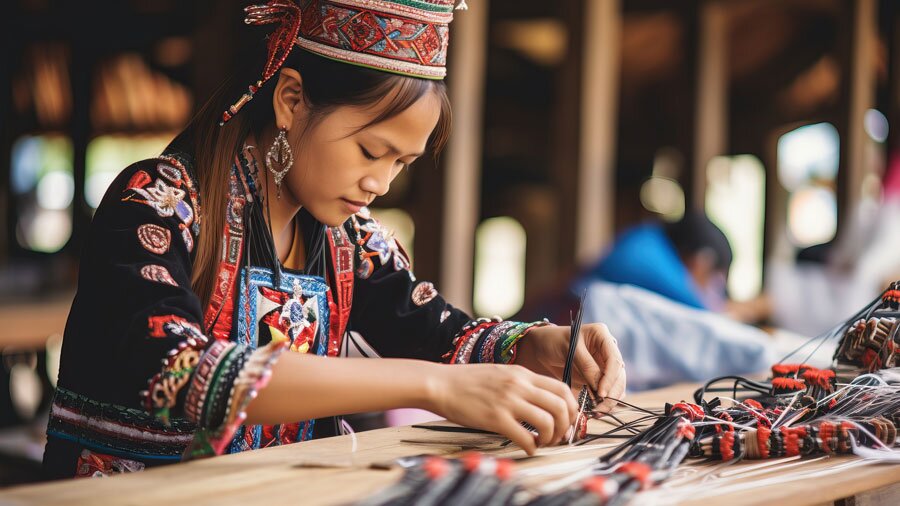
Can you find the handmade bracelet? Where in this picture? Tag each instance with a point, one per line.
(253, 376)
(464, 355)
(506, 353)
(463, 337)
(489, 342)
(217, 398)
(193, 405)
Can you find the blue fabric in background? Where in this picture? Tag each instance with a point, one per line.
(664, 342)
(643, 256)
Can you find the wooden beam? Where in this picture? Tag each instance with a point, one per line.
(711, 127)
(463, 170)
(599, 99)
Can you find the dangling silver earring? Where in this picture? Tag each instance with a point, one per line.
(280, 154)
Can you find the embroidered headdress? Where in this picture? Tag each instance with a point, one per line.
(407, 37)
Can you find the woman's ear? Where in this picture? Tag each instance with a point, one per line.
(288, 99)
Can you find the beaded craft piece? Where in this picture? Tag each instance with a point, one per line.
(800, 413)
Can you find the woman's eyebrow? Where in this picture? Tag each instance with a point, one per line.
(391, 148)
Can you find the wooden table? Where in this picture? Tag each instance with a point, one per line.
(27, 325)
(325, 472)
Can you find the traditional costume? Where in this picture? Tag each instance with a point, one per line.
(150, 377)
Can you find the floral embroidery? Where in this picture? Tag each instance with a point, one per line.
(375, 240)
(157, 273)
(162, 197)
(445, 315)
(423, 293)
(382, 241)
(168, 199)
(154, 238)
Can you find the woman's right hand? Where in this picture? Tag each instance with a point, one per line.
(498, 397)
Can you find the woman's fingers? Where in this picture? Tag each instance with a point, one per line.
(613, 365)
(586, 368)
(561, 409)
(509, 427)
(558, 389)
(542, 421)
(616, 392)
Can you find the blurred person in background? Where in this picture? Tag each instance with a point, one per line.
(686, 261)
(661, 290)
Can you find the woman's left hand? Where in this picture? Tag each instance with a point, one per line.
(598, 362)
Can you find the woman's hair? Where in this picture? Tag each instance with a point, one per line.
(327, 85)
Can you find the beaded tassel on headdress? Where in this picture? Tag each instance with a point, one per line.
(281, 41)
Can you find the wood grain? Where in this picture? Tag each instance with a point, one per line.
(325, 472)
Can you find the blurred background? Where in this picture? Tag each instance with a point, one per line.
(574, 120)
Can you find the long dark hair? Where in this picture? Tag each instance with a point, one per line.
(327, 85)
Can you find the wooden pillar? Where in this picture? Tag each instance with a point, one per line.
(7, 225)
(889, 12)
(711, 127)
(858, 95)
(564, 139)
(599, 99)
(467, 68)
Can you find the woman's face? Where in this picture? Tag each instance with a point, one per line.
(338, 168)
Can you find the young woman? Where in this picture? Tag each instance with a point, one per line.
(220, 278)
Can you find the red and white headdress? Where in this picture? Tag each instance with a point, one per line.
(407, 37)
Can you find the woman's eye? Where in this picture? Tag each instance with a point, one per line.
(367, 154)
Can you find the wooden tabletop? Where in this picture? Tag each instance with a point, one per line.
(27, 325)
(325, 471)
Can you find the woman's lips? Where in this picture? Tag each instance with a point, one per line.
(353, 206)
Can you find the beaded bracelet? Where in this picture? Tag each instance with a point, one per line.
(217, 398)
(487, 345)
(465, 336)
(196, 396)
(253, 376)
(507, 351)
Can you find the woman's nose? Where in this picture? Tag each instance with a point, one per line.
(378, 183)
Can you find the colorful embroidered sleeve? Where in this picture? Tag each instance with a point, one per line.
(136, 323)
(401, 316)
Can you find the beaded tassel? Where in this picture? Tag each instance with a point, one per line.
(287, 15)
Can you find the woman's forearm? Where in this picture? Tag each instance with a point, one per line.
(303, 387)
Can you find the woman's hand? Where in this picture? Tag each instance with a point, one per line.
(498, 397)
(598, 362)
